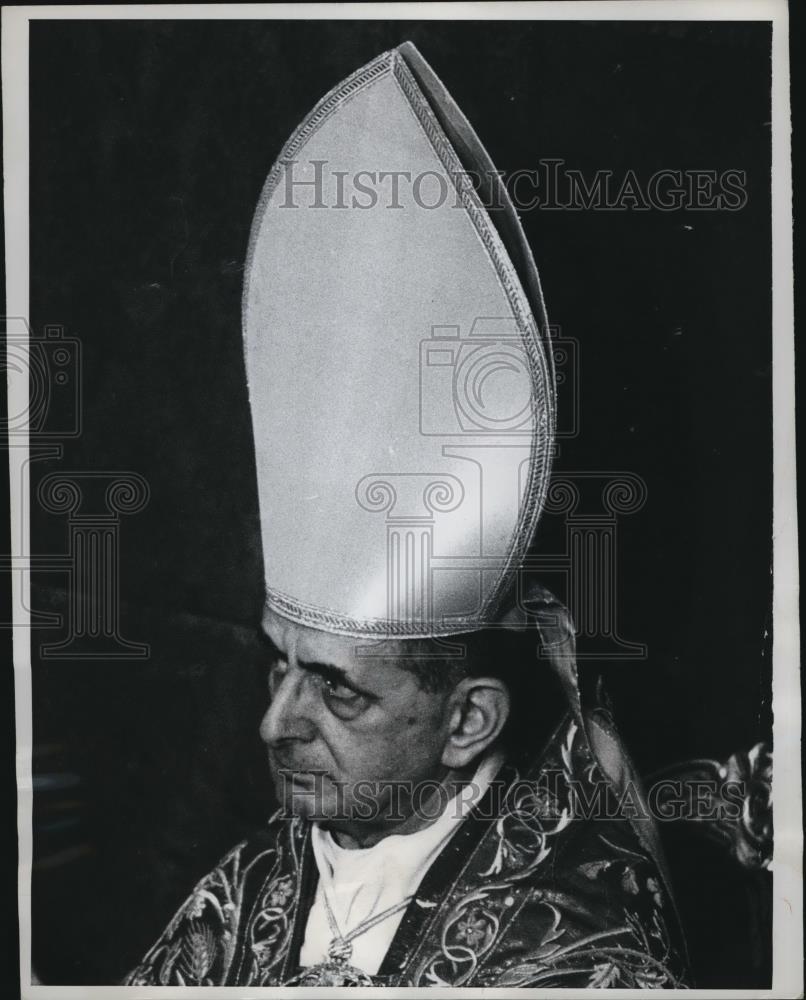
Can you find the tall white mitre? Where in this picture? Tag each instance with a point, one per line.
(400, 376)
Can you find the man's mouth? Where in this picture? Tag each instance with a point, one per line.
(296, 770)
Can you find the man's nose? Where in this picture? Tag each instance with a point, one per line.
(288, 716)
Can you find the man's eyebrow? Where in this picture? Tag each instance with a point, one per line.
(336, 675)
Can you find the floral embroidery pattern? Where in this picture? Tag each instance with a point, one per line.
(281, 891)
(472, 930)
(201, 944)
(543, 900)
(198, 953)
(510, 925)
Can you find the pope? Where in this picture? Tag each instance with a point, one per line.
(428, 736)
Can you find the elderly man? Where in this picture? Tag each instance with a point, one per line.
(440, 823)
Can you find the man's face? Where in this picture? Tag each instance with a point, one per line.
(341, 728)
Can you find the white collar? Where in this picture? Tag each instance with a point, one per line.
(399, 852)
(360, 884)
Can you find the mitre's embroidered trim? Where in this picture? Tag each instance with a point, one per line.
(543, 392)
(543, 398)
(331, 621)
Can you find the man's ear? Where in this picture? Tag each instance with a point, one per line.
(478, 708)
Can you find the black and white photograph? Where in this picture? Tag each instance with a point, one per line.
(403, 541)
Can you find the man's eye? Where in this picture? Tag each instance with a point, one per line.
(340, 692)
(341, 700)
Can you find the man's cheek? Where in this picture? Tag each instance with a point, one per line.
(372, 761)
(392, 749)
(402, 757)
(355, 756)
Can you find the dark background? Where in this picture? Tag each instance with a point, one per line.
(150, 142)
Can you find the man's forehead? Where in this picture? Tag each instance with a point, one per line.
(311, 645)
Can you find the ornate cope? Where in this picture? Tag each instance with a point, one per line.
(538, 888)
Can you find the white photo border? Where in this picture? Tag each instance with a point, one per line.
(787, 978)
